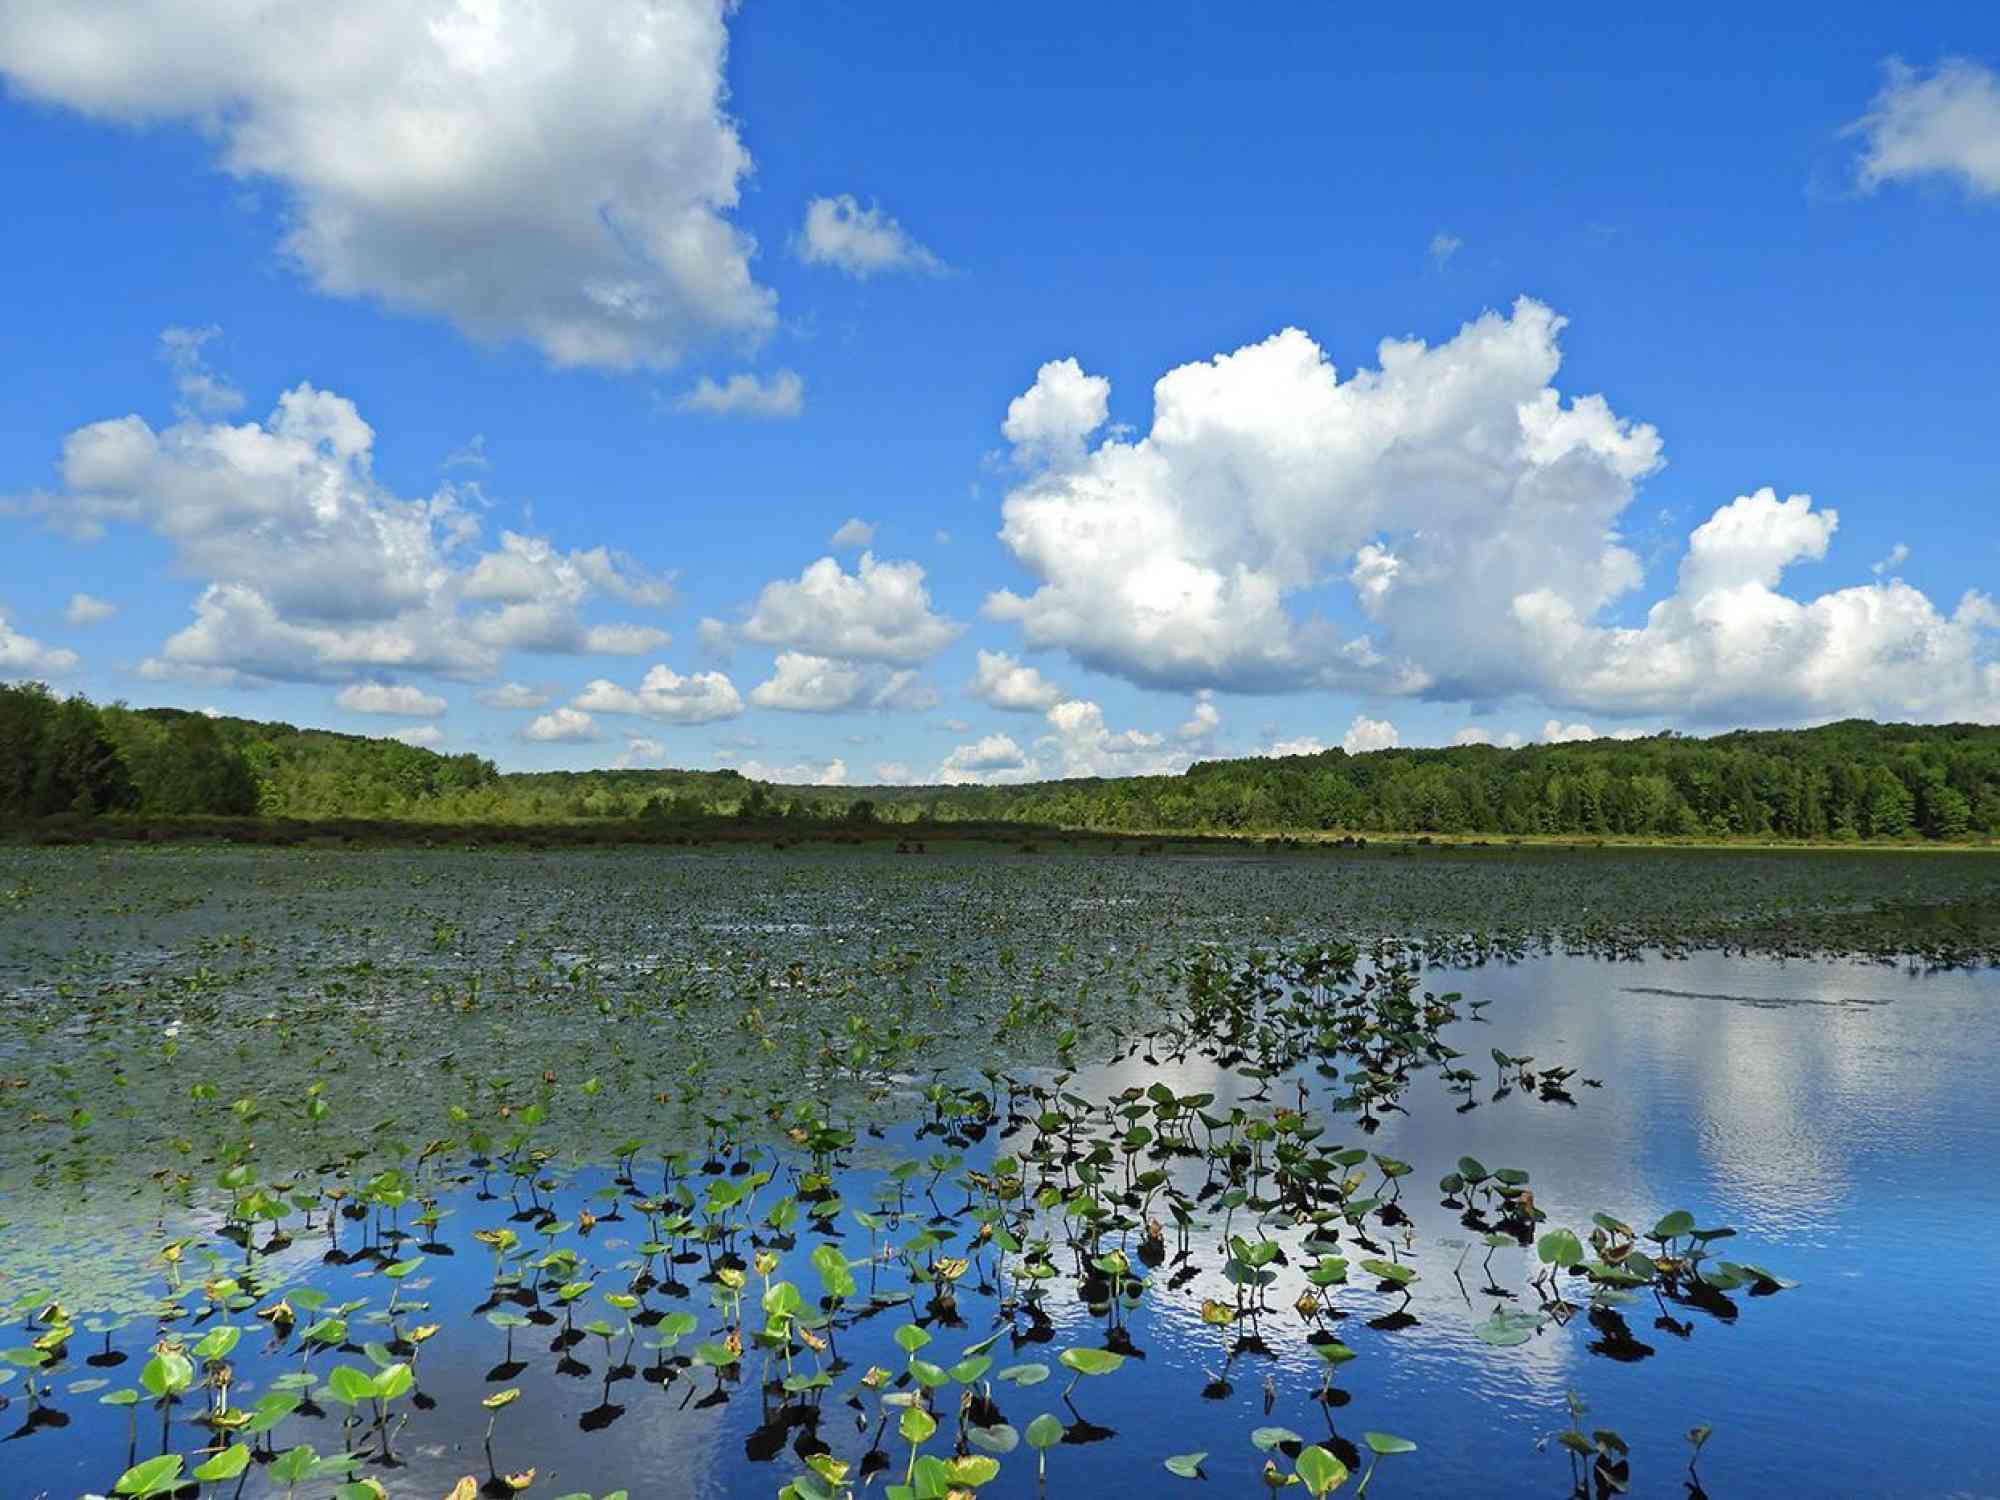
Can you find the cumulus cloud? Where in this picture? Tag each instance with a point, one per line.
(639, 751)
(807, 773)
(1471, 511)
(317, 572)
(389, 698)
(562, 726)
(863, 242)
(1301, 745)
(1000, 681)
(803, 683)
(894, 773)
(1051, 421)
(1366, 734)
(1203, 723)
(990, 759)
(88, 609)
(880, 612)
(665, 695)
(1555, 732)
(24, 656)
(514, 695)
(1472, 734)
(745, 395)
(1942, 124)
(423, 736)
(561, 174)
(853, 532)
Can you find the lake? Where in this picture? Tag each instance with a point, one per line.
(318, 1076)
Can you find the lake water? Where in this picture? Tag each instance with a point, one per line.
(1838, 1115)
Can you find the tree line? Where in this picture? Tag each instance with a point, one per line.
(1847, 781)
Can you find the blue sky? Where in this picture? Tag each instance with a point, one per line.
(531, 248)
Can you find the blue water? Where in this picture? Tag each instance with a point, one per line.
(1840, 1116)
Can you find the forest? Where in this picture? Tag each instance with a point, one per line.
(1840, 782)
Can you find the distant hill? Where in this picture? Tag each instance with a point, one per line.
(1853, 780)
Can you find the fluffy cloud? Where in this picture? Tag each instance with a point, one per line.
(665, 695)
(639, 751)
(804, 683)
(1302, 745)
(389, 698)
(831, 773)
(1473, 735)
(1366, 734)
(1945, 123)
(562, 726)
(863, 242)
(88, 609)
(1728, 646)
(315, 571)
(24, 656)
(423, 736)
(514, 695)
(1203, 723)
(1555, 732)
(1004, 683)
(1471, 512)
(880, 612)
(993, 758)
(555, 173)
(1051, 421)
(853, 532)
(783, 395)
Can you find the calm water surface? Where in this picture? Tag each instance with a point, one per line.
(1840, 1116)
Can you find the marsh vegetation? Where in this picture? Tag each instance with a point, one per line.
(828, 1172)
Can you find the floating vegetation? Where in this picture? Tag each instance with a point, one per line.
(910, 1173)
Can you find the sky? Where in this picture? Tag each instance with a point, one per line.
(887, 394)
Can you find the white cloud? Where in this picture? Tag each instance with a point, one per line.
(991, 759)
(853, 532)
(562, 726)
(624, 640)
(389, 698)
(202, 392)
(24, 656)
(1050, 422)
(1002, 682)
(556, 173)
(1443, 247)
(1366, 734)
(1302, 745)
(317, 572)
(714, 638)
(1203, 723)
(881, 612)
(468, 455)
(828, 773)
(1897, 556)
(1728, 646)
(422, 736)
(88, 609)
(514, 695)
(1555, 732)
(1942, 124)
(639, 751)
(860, 241)
(894, 773)
(745, 395)
(801, 683)
(665, 695)
(1472, 511)
(1473, 735)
